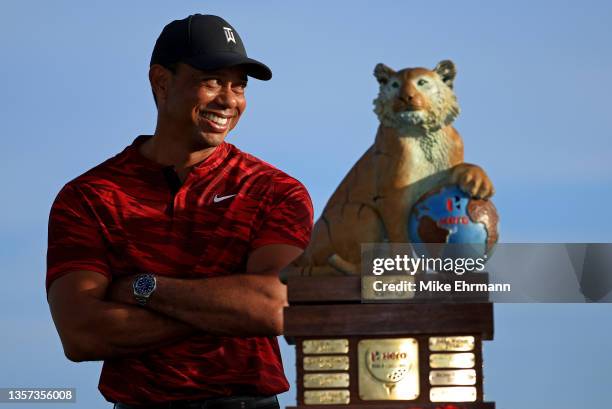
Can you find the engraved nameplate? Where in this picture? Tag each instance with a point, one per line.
(460, 360)
(326, 380)
(464, 343)
(452, 394)
(335, 397)
(326, 363)
(453, 377)
(325, 346)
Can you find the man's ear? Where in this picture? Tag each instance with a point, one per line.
(447, 72)
(383, 73)
(159, 78)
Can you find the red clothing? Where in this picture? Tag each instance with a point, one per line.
(129, 215)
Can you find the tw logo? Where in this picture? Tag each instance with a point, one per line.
(229, 35)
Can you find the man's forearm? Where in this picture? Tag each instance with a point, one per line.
(240, 304)
(117, 329)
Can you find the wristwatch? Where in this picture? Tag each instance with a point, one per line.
(144, 285)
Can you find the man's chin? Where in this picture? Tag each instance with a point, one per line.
(209, 139)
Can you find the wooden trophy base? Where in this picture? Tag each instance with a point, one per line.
(351, 355)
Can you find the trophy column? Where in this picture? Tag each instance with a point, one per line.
(408, 355)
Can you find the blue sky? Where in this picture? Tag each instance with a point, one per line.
(533, 83)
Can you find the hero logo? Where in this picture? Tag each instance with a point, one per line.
(452, 204)
(453, 220)
(387, 356)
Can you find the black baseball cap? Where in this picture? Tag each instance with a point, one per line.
(205, 42)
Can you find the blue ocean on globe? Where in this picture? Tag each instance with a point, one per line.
(449, 215)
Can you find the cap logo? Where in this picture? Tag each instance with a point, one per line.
(229, 35)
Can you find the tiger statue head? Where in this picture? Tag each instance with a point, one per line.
(416, 99)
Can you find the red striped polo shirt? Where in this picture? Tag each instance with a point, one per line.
(131, 215)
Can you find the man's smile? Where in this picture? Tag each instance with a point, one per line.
(216, 121)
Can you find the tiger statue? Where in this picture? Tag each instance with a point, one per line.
(415, 150)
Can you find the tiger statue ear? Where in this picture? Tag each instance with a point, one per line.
(383, 73)
(447, 72)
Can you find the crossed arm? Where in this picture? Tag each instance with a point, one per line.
(97, 319)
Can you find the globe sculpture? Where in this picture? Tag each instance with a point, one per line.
(447, 222)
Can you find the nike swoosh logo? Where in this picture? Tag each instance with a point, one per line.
(218, 198)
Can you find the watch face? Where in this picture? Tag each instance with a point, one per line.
(144, 285)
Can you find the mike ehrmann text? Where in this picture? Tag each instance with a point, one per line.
(437, 286)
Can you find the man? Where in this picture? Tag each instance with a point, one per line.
(163, 261)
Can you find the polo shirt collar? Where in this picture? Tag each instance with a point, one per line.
(212, 161)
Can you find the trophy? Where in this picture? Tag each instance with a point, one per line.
(355, 346)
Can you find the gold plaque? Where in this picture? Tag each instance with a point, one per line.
(460, 360)
(453, 377)
(326, 380)
(388, 369)
(465, 343)
(392, 287)
(335, 397)
(453, 394)
(325, 346)
(326, 363)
